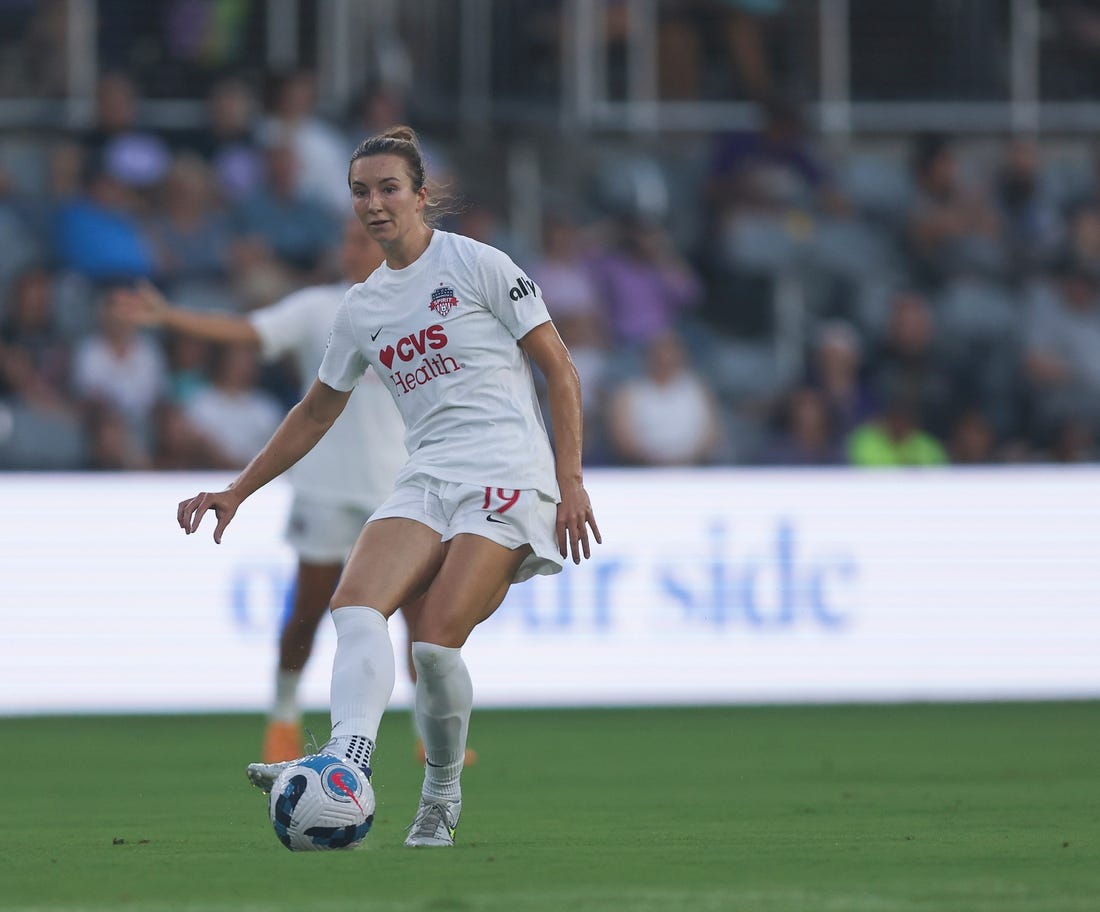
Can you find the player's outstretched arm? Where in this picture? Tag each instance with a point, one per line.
(544, 346)
(145, 306)
(299, 432)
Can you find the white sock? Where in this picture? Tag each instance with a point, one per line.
(286, 707)
(362, 681)
(444, 698)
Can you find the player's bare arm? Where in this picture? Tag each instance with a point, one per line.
(144, 305)
(299, 432)
(545, 348)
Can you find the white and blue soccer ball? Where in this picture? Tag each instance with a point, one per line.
(321, 802)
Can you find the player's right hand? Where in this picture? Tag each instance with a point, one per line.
(224, 504)
(142, 305)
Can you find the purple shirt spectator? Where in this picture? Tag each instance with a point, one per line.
(645, 285)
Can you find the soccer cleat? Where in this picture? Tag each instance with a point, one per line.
(282, 741)
(435, 823)
(263, 775)
(421, 756)
(357, 753)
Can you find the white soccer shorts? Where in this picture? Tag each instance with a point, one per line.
(322, 532)
(509, 517)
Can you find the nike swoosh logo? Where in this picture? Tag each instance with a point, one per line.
(492, 517)
(375, 335)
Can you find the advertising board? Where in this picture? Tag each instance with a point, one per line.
(712, 586)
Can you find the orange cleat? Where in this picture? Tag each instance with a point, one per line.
(282, 741)
(421, 757)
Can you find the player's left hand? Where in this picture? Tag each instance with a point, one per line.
(575, 517)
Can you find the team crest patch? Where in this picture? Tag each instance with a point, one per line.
(443, 300)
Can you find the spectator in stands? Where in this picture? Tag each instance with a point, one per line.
(773, 167)
(1062, 346)
(1083, 243)
(376, 107)
(972, 439)
(64, 173)
(1071, 44)
(181, 445)
(836, 371)
(188, 367)
(190, 235)
(114, 443)
(895, 437)
(322, 152)
(666, 416)
(292, 226)
(135, 156)
(40, 428)
(35, 50)
(765, 192)
(913, 356)
(747, 31)
(1033, 226)
(120, 370)
(97, 234)
(574, 303)
(20, 241)
(383, 103)
(747, 35)
(229, 144)
(568, 286)
(645, 284)
(1073, 439)
(29, 332)
(954, 227)
(234, 413)
(484, 222)
(807, 434)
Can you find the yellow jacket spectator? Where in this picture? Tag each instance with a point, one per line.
(894, 438)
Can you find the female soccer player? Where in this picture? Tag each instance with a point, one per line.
(337, 485)
(451, 326)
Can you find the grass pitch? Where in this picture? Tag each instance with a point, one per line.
(959, 808)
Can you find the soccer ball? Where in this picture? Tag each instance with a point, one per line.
(321, 802)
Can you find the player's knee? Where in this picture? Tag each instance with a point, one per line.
(442, 630)
(342, 597)
(347, 594)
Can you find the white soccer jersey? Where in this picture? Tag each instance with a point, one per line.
(357, 461)
(442, 334)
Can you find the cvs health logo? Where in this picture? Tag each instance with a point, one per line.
(414, 344)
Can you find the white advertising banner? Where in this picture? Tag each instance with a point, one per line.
(720, 586)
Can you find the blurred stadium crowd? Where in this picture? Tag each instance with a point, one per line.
(742, 297)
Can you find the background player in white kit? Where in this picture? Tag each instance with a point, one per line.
(450, 325)
(337, 485)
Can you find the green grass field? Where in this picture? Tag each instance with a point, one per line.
(960, 808)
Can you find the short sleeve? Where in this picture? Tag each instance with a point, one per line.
(510, 294)
(281, 325)
(343, 363)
